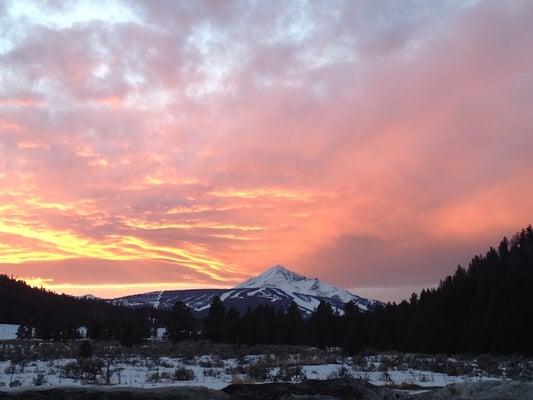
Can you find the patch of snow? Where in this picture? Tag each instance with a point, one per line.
(161, 333)
(210, 371)
(8, 331)
(158, 300)
(82, 331)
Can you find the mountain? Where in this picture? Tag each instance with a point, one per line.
(197, 300)
(88, 297)
(276, 286)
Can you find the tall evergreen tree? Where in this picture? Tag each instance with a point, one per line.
(351, 327)
(293, 330)
(322, 325)
(179, 322)
(215, 321)
(24, 332)
(233, 328)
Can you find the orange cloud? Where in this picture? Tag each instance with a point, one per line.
(376, 147)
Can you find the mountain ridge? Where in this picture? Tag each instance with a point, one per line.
(276, 286)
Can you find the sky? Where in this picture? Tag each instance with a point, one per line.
(163, 144)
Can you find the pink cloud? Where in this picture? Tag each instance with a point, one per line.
(368, 144)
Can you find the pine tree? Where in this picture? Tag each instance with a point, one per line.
(233, 326)
(351, 327)
(323, 325)
(293, 325)
(179, 323)
(215, 321)
(24, 332)
(86, 350)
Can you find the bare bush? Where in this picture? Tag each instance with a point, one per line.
(39, 380)
(259, 371)
(212, 373)
(154, 377)
(89, 370)
(290, 374)
(184, 374)
(341, 373)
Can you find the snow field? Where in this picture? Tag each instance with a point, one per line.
(8, 331)
(208, 371)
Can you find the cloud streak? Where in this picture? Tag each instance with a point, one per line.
(370, 144)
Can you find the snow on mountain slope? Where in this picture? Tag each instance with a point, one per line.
(195, 299)
(276, 286)
(306, 293)
(292, 283)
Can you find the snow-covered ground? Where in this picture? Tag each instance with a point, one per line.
(209, 371)
(8, 331)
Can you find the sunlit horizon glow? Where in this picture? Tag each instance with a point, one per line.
(170, 145)
(109, 290)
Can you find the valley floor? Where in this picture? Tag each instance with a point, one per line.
(30, 365)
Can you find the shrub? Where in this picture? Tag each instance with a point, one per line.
(240, 369)
(39, 380)
(259, 372)
(73, 370)
(10, 369)
(290, 374)
(236, 380)
(359, 362)
(184, 374)
(165, 364)
(385, 377)
(489, 364)
(452, 369)
(212, 372)
(153, 378)
(88, 369)
(211, 363)
(340, 373)
(86, 351)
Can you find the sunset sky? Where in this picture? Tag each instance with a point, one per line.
(150, 145)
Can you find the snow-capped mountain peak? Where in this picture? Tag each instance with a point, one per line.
(277, 276)
(276, 286)
(301, 288)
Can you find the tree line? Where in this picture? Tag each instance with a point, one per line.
(49, 316)
(484, 308)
